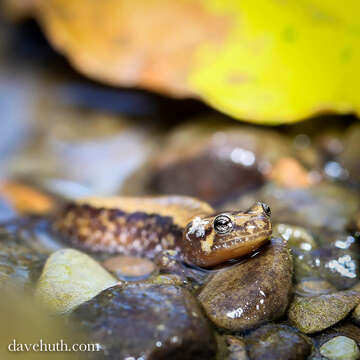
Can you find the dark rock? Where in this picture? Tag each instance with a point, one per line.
(149, 321)
(272, 342)
(215, 162)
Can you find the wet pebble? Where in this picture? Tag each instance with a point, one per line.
(313, 287)
(272, 342)
(340, 348)
(236, 348)
(304, 265)
(70, 278)
(343, 328)
(338, 266)
(252, 292)
(147, 321)
(20, 265)
(213, 161)
(312, 314)
(296, 236)
(129, 268)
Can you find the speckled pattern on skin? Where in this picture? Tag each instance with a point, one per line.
(114, 231)
(146, 226)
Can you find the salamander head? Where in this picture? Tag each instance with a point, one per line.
(211, 240)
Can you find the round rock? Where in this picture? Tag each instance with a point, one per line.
(340, 348)
(147, 321)
(70, 278)
(252, 292)
(312, 314)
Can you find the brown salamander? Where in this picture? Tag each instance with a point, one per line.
(145, 226)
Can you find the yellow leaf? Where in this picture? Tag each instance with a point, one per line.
(283, 60)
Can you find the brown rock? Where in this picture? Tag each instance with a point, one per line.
(252, 292)
(129, 267)
(312, 314)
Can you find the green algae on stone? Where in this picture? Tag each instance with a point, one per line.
(70, 278)
(312, 314)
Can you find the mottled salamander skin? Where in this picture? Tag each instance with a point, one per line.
(147, 226)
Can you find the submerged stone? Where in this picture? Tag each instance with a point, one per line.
(272, 342)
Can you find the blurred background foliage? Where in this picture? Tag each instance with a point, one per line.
(265, 61)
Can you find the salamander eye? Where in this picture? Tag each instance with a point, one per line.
(266, 209)
(223, 224)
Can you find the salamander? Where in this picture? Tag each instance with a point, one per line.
(146, 226)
